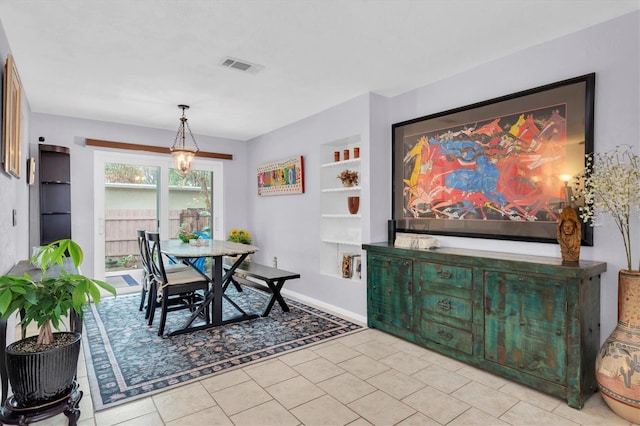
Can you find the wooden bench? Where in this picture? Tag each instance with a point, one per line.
(274, 279)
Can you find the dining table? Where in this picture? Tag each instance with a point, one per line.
(189, 253)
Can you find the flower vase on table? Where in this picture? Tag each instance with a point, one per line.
(241, 236)
(185, 235)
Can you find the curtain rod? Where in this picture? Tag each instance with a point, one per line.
(151, 148)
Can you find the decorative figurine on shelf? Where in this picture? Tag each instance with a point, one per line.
(569, 234)
(346, 266)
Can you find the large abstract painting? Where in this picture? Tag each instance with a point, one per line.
(503, 168)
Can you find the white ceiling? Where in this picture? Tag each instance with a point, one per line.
(134, 61)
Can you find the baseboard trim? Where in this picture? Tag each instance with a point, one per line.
(351, 316)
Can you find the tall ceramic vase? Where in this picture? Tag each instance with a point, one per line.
(353, 203)
(618, 363)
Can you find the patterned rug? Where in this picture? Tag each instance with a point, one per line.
(126, 359)
(119, 281)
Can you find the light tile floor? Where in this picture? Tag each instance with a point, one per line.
(366, 378)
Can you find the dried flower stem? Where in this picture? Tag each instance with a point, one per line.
(613, 187)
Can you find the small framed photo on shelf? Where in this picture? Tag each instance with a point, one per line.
(356, 267)
(351, 265)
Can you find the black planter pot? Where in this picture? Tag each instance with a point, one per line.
(41, 377)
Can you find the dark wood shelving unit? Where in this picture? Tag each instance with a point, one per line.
(55, 193)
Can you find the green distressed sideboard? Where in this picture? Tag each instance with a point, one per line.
(530, 319)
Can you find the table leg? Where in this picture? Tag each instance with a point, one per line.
(213, 298)
(275, 289)
(218, 291)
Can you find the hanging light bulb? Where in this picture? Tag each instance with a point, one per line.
(182, 155)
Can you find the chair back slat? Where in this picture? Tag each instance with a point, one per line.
(145, 256)
(156, 262)
(147, 278)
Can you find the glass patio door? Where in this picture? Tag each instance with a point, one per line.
(137, 191)
(191, 203)
(130, 203)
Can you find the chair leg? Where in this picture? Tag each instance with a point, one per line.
(207, 311)
(151, 297)
(163, 315)
(143, 295)
(152, 302)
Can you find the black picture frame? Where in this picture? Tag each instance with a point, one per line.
(501, 169)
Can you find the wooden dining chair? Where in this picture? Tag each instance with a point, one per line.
(147, 276)
(143, 247)
(177, 290)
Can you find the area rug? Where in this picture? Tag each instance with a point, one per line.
(126, 359)
(120, 281)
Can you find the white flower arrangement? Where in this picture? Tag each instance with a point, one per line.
(613, 187)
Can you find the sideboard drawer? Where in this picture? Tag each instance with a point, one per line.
(522, 280)
(448, 279)
(447, 309)
(448, 336)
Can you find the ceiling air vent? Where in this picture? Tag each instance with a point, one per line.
(241, 65)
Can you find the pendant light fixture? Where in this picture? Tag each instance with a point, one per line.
(183, 155)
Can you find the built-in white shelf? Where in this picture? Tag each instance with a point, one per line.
(342, 189)
(341, 216)
(340, 231)
(343, 163)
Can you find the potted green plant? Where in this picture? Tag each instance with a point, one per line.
(42, 368)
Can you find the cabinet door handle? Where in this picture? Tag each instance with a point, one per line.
(444, 304)
(445, 335)
(487, 305)
(410, 287)
(444, 274)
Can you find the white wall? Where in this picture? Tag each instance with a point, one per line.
(612, 51)
(287, 226)
(14, 192)
(72, 132)
(14, 195)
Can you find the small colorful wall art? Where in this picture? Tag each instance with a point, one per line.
(281, 177)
